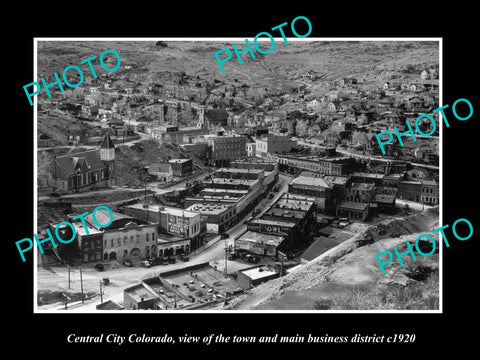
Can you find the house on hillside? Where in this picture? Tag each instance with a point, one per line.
(163, 171)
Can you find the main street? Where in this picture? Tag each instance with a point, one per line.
(121, 277)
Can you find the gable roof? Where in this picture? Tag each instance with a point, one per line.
(107, 143)
(69, 162)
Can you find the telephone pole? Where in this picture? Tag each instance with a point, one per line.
(81, 285)
(68, 266)
(101, 291)
(225, 271)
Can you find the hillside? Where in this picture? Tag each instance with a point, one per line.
(373, 60)
(348, 277)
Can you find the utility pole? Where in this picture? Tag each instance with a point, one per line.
(81, 285)
(66, 300)
(225, 271)
(281, 267)
(68, 266)
(101, 291)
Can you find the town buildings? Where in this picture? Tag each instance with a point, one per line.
(125, 238)
(273, 144)
(177, 228)
(225, 148)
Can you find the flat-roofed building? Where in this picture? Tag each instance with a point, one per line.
(360, 177)
(91, 244)
(326, 166)
(410, 190)
(352, 210)
(181, 167)
(220, 215)
(360, 192)
(125, 237)
(274, 144)
(429, 192)
(315, 187)
(171, 221)
(249, 278)
(225, 148)
(259, 243)
(291, 216)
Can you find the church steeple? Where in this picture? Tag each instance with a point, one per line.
(107, 149)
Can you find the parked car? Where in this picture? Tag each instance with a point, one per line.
(146, 264)
(184, 257)
(224, 235)
(154, 261)
(128, 263)
(99, 267)
(232, 255)
(165, 261)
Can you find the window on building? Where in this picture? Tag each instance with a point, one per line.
(131, 239)
(105, 243)
(111, 243)
(148, 237)
(119, 241)
(125, 240)
(138, 238)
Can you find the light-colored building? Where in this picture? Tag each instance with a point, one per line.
(173, 222)
(226, 148)
(125, 237)
(274, 144)
(251, 146)
(315, 164)
(163, 171)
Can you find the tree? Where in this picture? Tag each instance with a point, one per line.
(292, 128)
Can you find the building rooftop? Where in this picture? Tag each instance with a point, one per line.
(70, 162)
(260, 238)
(164, 210)
(107, 143)
(336, 180)
(350, 205)
(178, 212)
(210, 208)
(293, 201)
(384, 198)
(140, 293)
(102, 217)
(239, 170)
(309, 181)
(249, 182)
(429, 182)
(368, 175)
(81, 229)
(259, 272)
(362, 186)
(285, 223)
(178, 161)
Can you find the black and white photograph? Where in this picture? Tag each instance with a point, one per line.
(193, 179)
